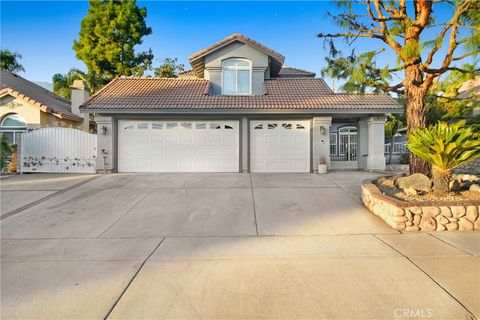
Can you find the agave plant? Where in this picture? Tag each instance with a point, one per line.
(445, 146)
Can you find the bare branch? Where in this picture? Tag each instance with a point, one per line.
(349, 35)
(468, 54)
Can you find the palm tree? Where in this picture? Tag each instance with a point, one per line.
(445, 146)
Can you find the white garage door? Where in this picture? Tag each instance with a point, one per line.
(280, 146)
(178, 146)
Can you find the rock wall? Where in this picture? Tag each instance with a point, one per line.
(421, 216)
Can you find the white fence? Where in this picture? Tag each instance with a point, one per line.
(58, 150)
(398, 148)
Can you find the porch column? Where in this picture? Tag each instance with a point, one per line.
(376, 143)
(362, 143)
(321, 140)
(105, 144)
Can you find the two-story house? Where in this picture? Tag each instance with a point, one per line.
(238, 110)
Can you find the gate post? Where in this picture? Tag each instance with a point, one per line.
(321, 140)
(376, 143)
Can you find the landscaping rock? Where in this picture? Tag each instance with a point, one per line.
(452, 226)
(441, 219)
(417, 181)
(458, 211)
(428, 224)
(410, 192)
(465, 225)
(388, 182)
(475, 187)
(445, 211)
(412, 228)
(430, 212)
(472, 213)
(441, 227)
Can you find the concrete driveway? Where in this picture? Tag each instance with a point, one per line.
(227, 246)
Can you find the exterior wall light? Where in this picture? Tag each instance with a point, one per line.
(103, 130)
(323, 131)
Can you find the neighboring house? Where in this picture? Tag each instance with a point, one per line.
(25, 105)
(471, 89)
(237, 110)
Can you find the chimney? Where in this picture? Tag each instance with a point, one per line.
(80, 93)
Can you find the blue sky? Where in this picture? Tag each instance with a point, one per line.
(45, 31)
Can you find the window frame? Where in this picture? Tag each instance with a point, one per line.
(249, 68)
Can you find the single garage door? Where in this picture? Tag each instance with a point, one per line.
(178, 146)
(280, 146)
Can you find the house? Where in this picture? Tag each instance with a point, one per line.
(238, 110)
(25, 105)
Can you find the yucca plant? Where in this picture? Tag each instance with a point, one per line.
(445, 146)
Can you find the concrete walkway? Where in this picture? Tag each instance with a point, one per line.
(228, 246)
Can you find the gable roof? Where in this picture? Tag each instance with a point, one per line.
(32, 93)
(189, 94)
(197, 60)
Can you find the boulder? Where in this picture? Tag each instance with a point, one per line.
(417, 181)
(410, 192)
(475, 187)
(386, 182)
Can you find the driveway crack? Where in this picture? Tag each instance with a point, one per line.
(253, 202)
(131, 280)
(429, 276)
(123, 215)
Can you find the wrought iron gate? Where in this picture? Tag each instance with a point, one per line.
(347, 149)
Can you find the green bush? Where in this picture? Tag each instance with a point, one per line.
(445, 146)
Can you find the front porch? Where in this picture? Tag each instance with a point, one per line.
(349, 143)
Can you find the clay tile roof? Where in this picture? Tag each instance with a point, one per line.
(285, 72)
(198, 63)
(161, 94)
(32, 93)
(289, 72)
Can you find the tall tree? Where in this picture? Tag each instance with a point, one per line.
(169, 68)
(425, 44)
(108, 36)
(62, 82)
(9, 61)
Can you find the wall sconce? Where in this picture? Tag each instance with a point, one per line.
(103, 130)
(323, 131)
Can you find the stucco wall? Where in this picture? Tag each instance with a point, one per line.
(213, 65)
(29, 113)
(32, 115)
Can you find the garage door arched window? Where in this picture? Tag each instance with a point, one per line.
(236, 77)
(12, 127)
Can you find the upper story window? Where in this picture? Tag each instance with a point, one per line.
(236, 76)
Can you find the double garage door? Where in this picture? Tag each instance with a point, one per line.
(211, 146)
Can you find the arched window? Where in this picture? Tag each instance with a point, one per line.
(236, 77)
(12, 126)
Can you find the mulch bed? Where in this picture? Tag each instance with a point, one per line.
(428, 196)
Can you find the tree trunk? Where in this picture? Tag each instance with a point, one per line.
(416, 113)
(441, 180)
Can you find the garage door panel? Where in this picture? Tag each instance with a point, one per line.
(280, 146)
(178, 146)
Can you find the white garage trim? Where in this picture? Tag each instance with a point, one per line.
(178, 146)
(280, 146)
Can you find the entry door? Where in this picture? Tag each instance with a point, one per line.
(280, 146)
(178, 146)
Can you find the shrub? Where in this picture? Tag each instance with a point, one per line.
(445, 146)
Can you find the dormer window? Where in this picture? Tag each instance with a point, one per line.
(236, 77)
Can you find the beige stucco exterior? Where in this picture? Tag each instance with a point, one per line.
(33, 116)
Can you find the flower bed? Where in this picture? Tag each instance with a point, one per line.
(421, 215)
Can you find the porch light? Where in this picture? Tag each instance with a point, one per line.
(323, 131)
(104, 130)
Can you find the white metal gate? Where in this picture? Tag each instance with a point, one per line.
(347, 149)
(58, 150)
